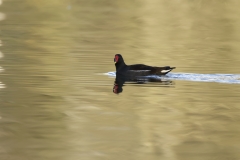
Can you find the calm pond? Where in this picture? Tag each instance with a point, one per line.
(57, 76)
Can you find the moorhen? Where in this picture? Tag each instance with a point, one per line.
(138, 69)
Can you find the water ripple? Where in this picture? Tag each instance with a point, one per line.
(218, 78)
(2, 17)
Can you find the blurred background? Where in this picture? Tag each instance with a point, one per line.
(55, 102)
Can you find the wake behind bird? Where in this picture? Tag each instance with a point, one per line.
(217, 78)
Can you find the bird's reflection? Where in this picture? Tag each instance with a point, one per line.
(120, 80)
(118, 84)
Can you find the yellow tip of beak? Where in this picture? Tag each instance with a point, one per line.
(115, 62)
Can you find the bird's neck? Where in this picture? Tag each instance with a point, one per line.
(120, 65)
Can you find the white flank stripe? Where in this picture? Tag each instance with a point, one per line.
(164, 71)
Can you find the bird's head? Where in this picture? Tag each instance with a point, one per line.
(118, 59)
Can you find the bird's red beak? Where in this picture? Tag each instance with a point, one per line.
(116, 59)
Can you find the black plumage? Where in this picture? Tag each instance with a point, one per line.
(138, 69)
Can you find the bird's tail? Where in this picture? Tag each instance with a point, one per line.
(167, 69)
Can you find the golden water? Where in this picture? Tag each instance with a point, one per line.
(55, 103)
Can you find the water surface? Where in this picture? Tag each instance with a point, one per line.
(56, 102)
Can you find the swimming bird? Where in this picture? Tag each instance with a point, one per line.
(138, 69)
